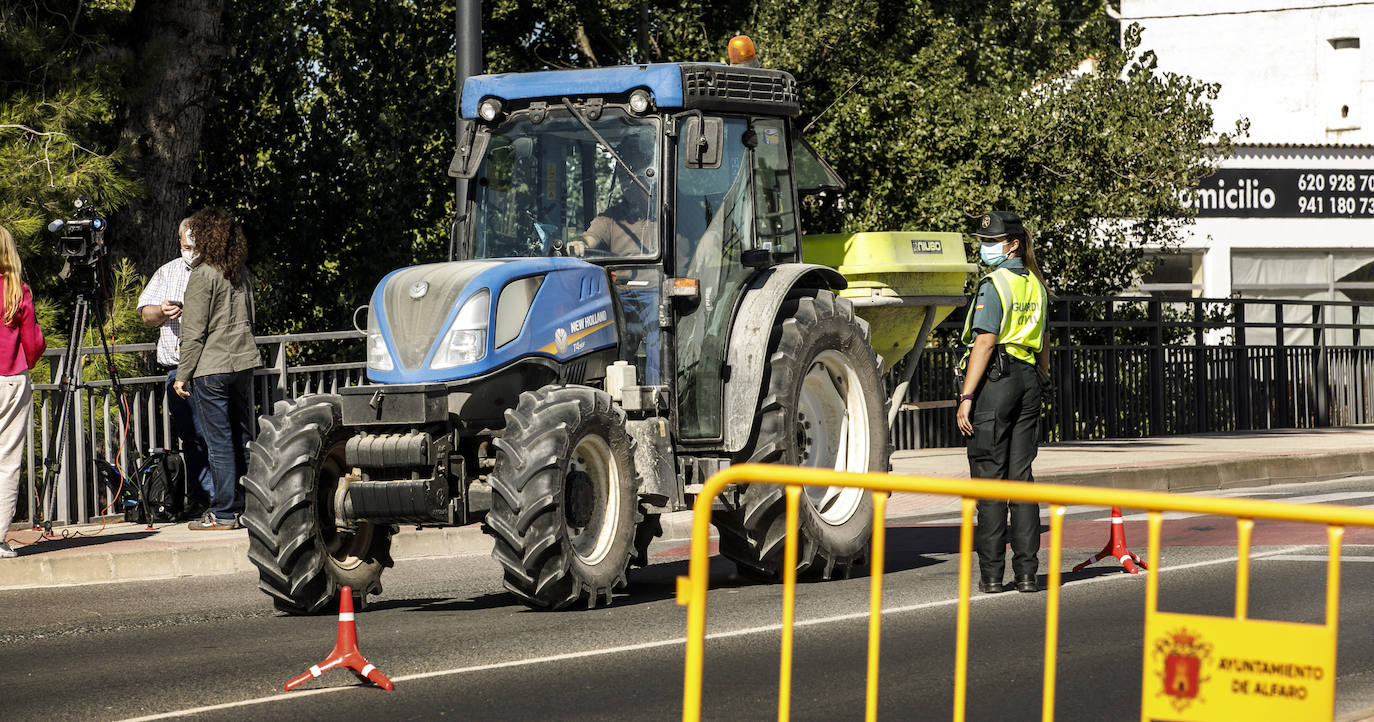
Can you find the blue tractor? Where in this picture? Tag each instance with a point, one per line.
(632, 314)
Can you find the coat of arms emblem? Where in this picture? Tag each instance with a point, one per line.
(1183, 656)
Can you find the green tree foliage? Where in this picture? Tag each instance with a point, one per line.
(549, 34)
(333, 125)
(331, 144)
(954, 108)
(59, 135)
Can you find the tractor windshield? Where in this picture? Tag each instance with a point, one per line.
(552, 188)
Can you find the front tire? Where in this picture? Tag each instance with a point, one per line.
(564, 505)
(294, 468)
(822, 407)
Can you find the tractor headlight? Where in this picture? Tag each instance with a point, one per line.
(489, 109)
(639, 101)
(377, 356)
(466, 340)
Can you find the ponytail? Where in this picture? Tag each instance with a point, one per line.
(1027, 253)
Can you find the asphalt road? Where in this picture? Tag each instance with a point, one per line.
(457, 646)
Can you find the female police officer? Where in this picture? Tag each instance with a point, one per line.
(999, 403)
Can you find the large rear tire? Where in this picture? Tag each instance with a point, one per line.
(564, 504)
(294, 468)
(822, 407)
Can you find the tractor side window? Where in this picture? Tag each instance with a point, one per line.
(775, 215)
(715, 207)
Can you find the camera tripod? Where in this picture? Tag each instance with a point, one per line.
(68, 373)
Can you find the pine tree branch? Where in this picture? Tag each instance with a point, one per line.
(31, 131)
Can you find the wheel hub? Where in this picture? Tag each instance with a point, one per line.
(591, 498)
(581, 499)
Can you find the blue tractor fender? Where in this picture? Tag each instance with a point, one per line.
(748, 348)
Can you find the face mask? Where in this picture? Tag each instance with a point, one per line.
(991, 254)
(189, 256)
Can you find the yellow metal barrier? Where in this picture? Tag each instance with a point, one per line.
(1186, 650)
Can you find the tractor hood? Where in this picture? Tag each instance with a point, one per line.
(456, 320)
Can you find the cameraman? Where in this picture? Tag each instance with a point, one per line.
(160, 305)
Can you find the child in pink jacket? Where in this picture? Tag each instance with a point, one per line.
(21, 344)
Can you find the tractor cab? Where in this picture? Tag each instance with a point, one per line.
(680, 179)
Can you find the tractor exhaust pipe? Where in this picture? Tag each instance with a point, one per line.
(467, 63)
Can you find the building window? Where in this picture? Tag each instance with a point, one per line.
(1174, 274)
(1341, 84)
(1299, 276)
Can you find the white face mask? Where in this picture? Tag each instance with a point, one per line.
(189, 256)
(992, 254)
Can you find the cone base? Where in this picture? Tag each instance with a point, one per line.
(345, 653)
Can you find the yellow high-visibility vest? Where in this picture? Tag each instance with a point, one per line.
(1025, 306)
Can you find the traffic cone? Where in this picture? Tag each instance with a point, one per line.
(1116, 547)
(345, 651)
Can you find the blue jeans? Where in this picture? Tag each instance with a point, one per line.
(198, 482)
(224, 414)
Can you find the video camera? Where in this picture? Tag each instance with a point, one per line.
(81, 241)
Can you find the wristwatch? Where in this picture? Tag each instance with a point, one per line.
(965, 397)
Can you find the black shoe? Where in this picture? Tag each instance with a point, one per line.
(989, 586)
(1026, 583)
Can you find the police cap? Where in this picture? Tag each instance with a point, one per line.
(995, 224)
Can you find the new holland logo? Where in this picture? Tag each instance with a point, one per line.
(1183, 655)
(560, 339)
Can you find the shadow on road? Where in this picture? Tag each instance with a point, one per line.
(76, 541)
(908, 548)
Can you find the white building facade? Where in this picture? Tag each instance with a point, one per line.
(1291, 214)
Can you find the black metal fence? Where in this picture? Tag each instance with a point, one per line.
(1122, 367)
(1150, 366)
(104, 429)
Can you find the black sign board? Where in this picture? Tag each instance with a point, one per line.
(1286, 193)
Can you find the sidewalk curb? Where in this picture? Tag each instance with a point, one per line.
(169, 561)
(1225, 474)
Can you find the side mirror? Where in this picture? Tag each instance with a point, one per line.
(472, 148)
(702, 138)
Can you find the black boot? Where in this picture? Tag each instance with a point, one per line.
(1026, 583)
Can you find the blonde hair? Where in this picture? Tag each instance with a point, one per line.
(11, 270)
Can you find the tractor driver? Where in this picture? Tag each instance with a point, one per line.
(623, 229)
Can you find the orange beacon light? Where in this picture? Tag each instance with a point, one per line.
(742, 51)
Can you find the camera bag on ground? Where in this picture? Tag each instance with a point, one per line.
(124, 495)
(160, 487)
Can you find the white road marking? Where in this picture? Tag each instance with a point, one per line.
(1313, 558)
(683, 640)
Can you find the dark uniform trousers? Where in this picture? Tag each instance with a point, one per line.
(1006, 431)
